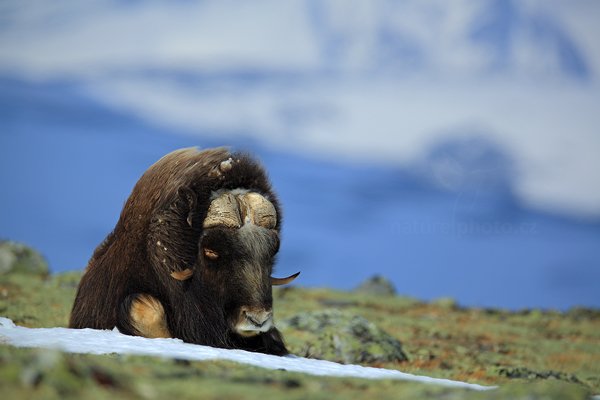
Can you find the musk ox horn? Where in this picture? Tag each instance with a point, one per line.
(284, 281)
(258, 210)
(182, 275)
(223, 210)
(232, 210)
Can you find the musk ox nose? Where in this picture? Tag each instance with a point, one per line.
(252, 321)
(260, 318)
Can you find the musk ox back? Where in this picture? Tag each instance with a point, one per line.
(191, 256)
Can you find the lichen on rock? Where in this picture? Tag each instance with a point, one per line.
(376, 285)
(345, 337)
(20, 258)
(526, 373)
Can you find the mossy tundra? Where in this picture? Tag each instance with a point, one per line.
(530, 354)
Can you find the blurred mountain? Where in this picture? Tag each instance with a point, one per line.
(462, 38)
(470, 38)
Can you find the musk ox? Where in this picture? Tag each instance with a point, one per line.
(191, 256)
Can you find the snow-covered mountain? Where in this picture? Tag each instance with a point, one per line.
(540, 39)
(372, 81)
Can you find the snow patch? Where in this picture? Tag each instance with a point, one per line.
(94, 341)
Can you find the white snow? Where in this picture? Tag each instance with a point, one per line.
(105, 341)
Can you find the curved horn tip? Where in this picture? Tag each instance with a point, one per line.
(284, 281)
(182, 275)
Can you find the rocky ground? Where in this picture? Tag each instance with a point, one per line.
(530, 354)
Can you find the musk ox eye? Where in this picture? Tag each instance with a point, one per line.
(210, 254)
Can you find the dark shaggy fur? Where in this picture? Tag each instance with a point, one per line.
(159, 232)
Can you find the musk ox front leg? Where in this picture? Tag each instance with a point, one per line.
(143, 315)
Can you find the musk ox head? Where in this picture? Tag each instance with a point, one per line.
(236, 255)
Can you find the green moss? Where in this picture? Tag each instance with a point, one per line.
(35, 301)
(530, 354)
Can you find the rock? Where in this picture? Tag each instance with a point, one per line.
(345, 337)
(445, 302)
(20, 258)
(526, 373)
(583, 313)
(377, 285)
(49, 370)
